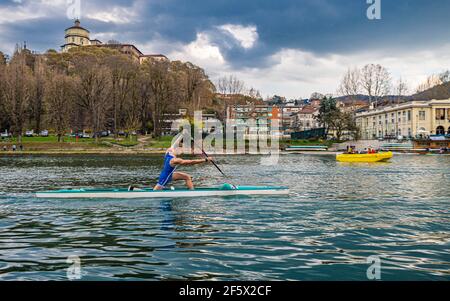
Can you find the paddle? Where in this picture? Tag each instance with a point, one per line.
(212, 161)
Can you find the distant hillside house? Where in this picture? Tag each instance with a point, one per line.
(78, 36)
(306, 119)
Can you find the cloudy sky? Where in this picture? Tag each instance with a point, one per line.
(285, 47)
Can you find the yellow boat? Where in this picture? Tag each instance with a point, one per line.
(364, 158)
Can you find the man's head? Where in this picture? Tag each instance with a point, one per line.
(176, 150)
(172, 151)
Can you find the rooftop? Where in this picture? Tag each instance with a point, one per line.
(77, 26)
(402, 106)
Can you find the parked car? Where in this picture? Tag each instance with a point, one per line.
(5, 134)
(44, 133)
(29, 133)
(80, 135)
(101, 134)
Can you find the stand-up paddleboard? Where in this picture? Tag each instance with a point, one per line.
(148, 193)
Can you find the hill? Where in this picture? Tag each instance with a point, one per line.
(438, 92)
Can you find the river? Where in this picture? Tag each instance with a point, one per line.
(336, 216)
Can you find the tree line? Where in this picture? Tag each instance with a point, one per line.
(91, 88)
(376, 81)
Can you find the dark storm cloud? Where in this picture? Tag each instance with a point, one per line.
(319, 26)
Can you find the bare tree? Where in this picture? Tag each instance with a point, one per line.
(195, 81)
(93, 89)
(132, 111)
(253, 93)
(317, 95)
(123, 73)
(230, 85)
(58, 100)
(222, 85)
(401, 89)
(39, 94)
(350, 83)
(144, 94)
(376, 82)
(3, 118)
(160, 84)
(18, 92)
(430, 82)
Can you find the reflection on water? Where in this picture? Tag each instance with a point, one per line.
(337, 215)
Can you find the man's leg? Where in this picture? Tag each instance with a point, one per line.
(179, 176)
(158, 187)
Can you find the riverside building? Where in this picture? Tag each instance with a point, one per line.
(412, 119)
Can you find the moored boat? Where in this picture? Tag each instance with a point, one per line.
(306, 148)
(365, 158)
(119, 193)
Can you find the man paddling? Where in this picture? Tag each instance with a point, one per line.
(171, 163)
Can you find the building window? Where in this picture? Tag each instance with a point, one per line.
(422, 115)
(440, 114)
(409, 115)
(440, 130)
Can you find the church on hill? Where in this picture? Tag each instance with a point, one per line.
(78, 36)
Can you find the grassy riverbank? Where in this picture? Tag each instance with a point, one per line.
(71, 145)
(108, 145)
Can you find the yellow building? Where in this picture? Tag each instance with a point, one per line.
(76, 36)
(411, 119)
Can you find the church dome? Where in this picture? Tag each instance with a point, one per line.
(76, 35)
(77, 30)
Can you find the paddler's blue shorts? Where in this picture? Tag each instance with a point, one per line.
(164, 181)
(166, 174)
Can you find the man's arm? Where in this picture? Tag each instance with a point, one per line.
(179, 161)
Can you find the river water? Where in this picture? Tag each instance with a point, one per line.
(335, 218)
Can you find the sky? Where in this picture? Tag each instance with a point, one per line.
(290, 48)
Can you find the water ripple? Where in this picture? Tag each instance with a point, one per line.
(336, 216)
